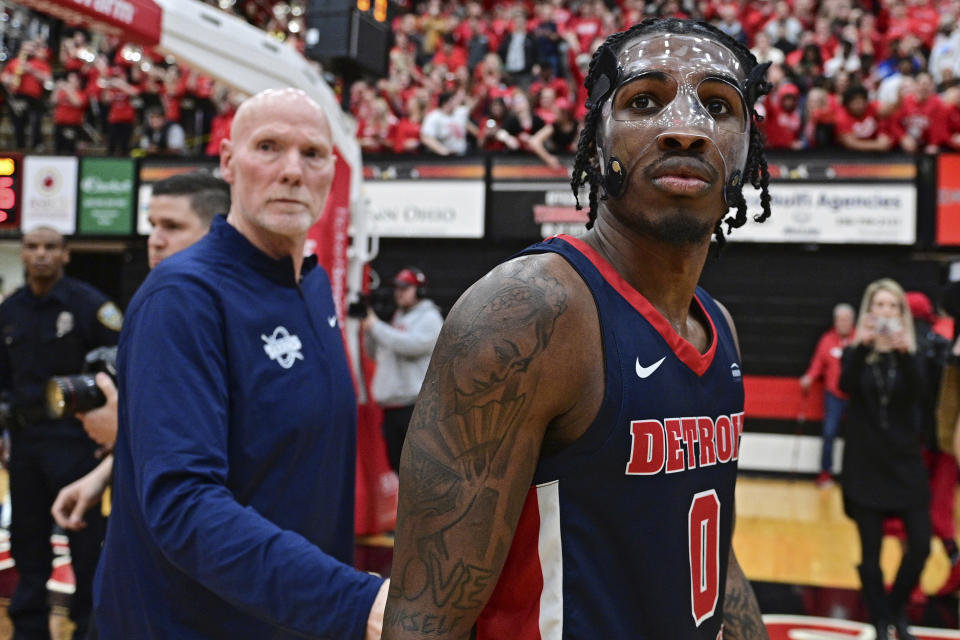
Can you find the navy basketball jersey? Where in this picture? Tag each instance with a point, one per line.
(625, 533)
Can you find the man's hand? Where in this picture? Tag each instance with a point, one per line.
(375, 621)
(101, 423)
(369, 321)
(79, 496)
(805, 383)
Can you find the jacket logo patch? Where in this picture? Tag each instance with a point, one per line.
(282, 347)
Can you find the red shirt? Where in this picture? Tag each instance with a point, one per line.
(869, 126)
(405, 131)
(121, 109)
(826, 361)
(559, 86)
(65, 113)
(219, 130)
(456, 58)
(587, 30)
(927, 122)
(29, 84)
(783, 128)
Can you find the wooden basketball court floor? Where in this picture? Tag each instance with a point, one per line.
(798, 549)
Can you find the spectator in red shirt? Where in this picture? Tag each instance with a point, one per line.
(491, 132)
(24, 77)
(587, 26)
(561, 88)
(784, 126)
(450, 55)
(951, 101)
(821, 119)
(825, 365)
(220, 126)
(75, 54)
(406, 135)
(545, 104)
(70, 105)
(118, 93)
(921, 121)
(375, 133)
(859, 127)
(173, 92)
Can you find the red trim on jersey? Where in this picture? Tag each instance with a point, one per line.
(513, 610)
(686, 352)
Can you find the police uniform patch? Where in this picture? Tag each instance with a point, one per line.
(64, 323)
(110, 316)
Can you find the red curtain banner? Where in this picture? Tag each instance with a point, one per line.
(375, 509)
(136, 21)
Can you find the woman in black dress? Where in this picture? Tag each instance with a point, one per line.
(883, 471)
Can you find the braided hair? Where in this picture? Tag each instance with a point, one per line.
(586, 170)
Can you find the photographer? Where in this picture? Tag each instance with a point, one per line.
(883, 470)
(48, 326)
(181, 209)
(402, 350)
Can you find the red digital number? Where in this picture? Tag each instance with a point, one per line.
(703, 522)
(8, 197)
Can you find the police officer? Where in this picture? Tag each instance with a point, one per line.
(47, 327)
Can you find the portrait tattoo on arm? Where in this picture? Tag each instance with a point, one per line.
(470, 452)
(741, 613)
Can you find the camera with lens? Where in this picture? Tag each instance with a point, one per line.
(68, 395)
(887, 326)
(359, 308)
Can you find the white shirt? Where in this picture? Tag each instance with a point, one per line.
(449, 130)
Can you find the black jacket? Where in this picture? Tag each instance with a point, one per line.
(882, 461)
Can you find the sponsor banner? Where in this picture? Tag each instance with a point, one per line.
(106, 196)
(533, 209)
(834, 214)
(405, 169)
(948, 199)
(426, 208)
(50, 193)
(131, 20)
(807, 167)
(11, 170)
(150, 173)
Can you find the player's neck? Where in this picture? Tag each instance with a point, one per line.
(666, 275)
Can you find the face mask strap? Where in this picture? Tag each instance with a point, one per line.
(757, 84)
(608, 71)
(614, 177)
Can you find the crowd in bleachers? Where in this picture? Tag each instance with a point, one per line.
(873, 75)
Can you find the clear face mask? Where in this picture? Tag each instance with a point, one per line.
(683, 87)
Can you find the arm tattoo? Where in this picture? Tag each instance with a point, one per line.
(741, 613)
(461, 445)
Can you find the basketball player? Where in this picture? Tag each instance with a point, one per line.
(569, 470)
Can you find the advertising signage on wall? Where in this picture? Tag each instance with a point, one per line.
(10, 190)
(154, 171)
(529, 200)
(106, 196)
(834, 214)
(422, 200)
(948, 199)
(815, 199)
(49, 193)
